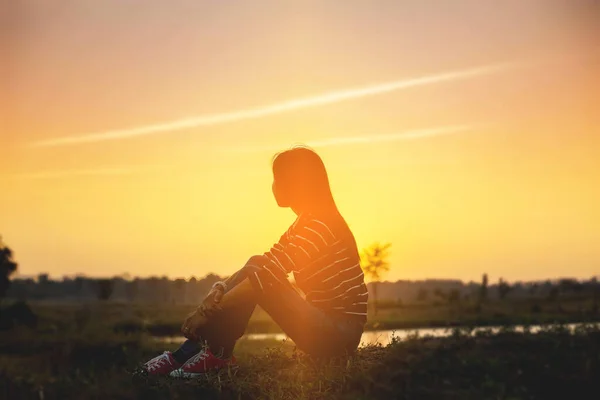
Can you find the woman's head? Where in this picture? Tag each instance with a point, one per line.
(300, 181)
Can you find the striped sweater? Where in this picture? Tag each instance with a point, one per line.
(322, 254)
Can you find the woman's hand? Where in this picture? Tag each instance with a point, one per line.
(199, 317)
(212, 299)
(192, 323)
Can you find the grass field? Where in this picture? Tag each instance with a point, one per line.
(87, 351)
(508, 365)
(165, 320)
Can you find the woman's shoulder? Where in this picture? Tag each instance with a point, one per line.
(332, 223)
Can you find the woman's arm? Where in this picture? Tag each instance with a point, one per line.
(212, 301)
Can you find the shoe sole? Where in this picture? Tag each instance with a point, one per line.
(191, 375)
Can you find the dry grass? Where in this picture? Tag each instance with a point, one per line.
(509, 365)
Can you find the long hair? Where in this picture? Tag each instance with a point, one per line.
(302, 176)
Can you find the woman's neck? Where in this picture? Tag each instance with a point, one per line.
(330, 209)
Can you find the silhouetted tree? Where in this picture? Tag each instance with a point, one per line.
(105, 288)
(595, 293)
(439, 293)
(422, 294)
(565, 285)
(7, 267)
(180, 286)
(503, 289)
(533, 288)
(131, 289)
(374, 260)
(553, 293)
(517, 288)
(454, 296)
(165, 289)
(483, 289)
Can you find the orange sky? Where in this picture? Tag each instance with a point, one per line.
(464, 170)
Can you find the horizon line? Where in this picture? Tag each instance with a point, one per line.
(121, 276)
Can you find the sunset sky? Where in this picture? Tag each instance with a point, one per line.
(137, 136)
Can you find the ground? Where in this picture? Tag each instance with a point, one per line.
(508, 365)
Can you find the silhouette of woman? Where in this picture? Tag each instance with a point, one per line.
(325, 318)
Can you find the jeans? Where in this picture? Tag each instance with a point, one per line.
(312, 330)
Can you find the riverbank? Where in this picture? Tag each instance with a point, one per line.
(553, 363)
(385, 337)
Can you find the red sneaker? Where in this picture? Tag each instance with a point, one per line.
(202, 363)
(162, 365)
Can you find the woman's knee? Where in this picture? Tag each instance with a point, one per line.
(257, 261)
(254, 264)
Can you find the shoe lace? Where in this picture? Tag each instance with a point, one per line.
(202, 355)
(157, 362)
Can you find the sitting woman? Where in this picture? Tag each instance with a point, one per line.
(327, 319)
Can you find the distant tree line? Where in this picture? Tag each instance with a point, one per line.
(374, 262)
(143, 290)
(181, 291)
(450, 291)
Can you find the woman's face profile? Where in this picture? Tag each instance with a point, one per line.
(278, 194)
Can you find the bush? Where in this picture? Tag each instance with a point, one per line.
(536, 309)
(17, 314)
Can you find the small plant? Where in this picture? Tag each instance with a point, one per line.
(374, 262)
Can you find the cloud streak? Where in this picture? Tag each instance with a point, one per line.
(365, 139)
(286, 106)
(334, 141)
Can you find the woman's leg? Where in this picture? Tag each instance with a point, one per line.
(310, 328)
(233, 320)
(212, 332)
(186, 350)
